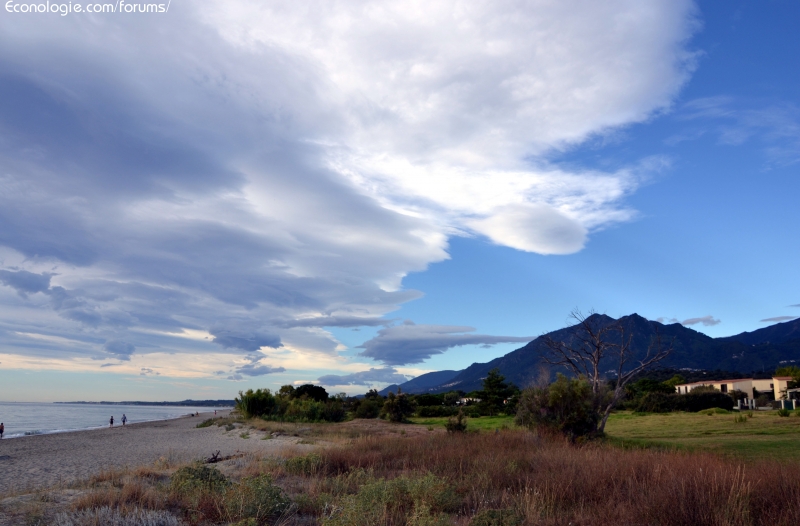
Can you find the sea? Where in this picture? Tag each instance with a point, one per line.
(22, 419)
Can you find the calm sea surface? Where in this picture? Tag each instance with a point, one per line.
(32, 418)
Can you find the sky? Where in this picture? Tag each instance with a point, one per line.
(217, 196)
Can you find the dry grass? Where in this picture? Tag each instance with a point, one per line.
(549, 481)
(431, 478)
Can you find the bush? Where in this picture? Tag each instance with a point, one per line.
(303, 465)
(397, 408)
(205, 423)
(783, 412)
(457, 424)
(567, 406)
(193, 478)
(692, 402)
(255, 498)
(403, 500)
(368, 408)
(255, 403)
(497, 518)
(436, 411)
(310, 391)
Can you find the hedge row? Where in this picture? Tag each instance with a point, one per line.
(692, 402)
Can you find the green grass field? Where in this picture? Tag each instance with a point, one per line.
(484, 423)
(765, 435)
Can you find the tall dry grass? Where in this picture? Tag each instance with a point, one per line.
(437, 479)
(549, 481)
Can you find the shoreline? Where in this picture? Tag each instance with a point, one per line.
(27, 434)
(46, 460)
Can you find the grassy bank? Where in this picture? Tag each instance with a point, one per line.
(764, 435)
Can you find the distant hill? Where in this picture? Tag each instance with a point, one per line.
(422, 383)
(760, 350)
(778, 333)
(187, 403)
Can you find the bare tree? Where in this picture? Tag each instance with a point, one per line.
(590, 344)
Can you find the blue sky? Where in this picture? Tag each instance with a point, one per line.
(249, 194)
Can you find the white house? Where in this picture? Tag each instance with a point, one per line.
(777, 384)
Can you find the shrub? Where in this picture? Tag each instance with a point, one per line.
(255, 498)
(457, 424)
(369, 408)
(507, 517)
(312, 392)
(303, 465)
(436, 411)
(397, 408)
(567, 406)
(403, 500)
(255, 403)
(692, 402)
(783, 412)
(205, 423)
(190, 478)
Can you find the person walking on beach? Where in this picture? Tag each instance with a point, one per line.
(2, 429)
(124, 419)
(111, 421)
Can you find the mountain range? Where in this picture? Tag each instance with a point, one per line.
(761, 350)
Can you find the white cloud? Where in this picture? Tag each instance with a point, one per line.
(242, 171)
(707, 321)
(777, 319)
(384, 375)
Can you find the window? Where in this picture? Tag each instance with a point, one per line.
(723, 388)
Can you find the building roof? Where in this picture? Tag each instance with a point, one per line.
(783, 378)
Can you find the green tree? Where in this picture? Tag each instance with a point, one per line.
(675, 380)
(255, 403)
(495, 392)
(452, 398)
(566, 406)
(398, 407)
(312, 392)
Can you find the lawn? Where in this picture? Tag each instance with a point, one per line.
(765, 435)
(484, 423)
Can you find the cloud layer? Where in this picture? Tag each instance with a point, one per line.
(707, 321)
(384, 375)
(410, 343)
(236, 176)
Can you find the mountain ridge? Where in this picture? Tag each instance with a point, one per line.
(759, 350)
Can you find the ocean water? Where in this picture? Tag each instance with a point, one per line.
(22, 419)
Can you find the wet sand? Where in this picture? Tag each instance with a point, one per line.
(45, 460)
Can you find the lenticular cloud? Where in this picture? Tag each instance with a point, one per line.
(239, 175)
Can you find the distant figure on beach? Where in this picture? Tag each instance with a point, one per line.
(111, 421)
(215, 412)
(124, 418)
(2, 429)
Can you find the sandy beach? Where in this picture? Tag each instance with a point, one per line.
(45, 460)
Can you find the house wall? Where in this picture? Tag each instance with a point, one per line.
(781, 385)
(764, 385)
